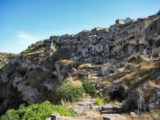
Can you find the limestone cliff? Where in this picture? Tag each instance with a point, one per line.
(25, 78)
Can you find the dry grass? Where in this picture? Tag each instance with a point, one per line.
(86, 96)
(84, 66)
(141, 75)
(77, 83)
(67, 62)
(145, 77)
(153, 115)
(65, 103)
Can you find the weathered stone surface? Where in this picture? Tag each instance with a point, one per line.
(102, 45)
(134, 101)
(154, 101)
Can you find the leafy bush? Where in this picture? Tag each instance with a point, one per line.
(89, 87)
(36, 112)
(69, 92)
(11, 115)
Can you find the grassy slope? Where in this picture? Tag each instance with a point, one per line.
(145, 77)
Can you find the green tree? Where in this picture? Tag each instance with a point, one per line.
(88, 86)
(69, 92)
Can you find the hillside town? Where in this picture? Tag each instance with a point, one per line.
(119, 41)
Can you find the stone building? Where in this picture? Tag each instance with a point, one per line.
(119, 41)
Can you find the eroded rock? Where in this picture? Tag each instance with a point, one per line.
(154, 101)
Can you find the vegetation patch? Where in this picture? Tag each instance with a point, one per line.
(36, 112)
(69, 91)
(99, 101)
(88, 86)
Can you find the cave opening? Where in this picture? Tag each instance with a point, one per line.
(117, 94)
(11, 101)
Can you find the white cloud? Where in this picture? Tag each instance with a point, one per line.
(26, 37)
(23, 40)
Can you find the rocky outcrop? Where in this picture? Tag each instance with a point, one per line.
(154, 101)
(135, 101)
(26, 80)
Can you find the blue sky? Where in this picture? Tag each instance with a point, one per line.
(23, 22)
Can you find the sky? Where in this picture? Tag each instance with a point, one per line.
(23, 22)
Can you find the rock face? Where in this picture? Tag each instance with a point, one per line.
(23, 81)
(134, 101)
(154, 101)
(4, 58)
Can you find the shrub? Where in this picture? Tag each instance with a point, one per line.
(36, 112)
(91, 71)
(88, 86)
(10, 115)
(99, 101)
(69, 92)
